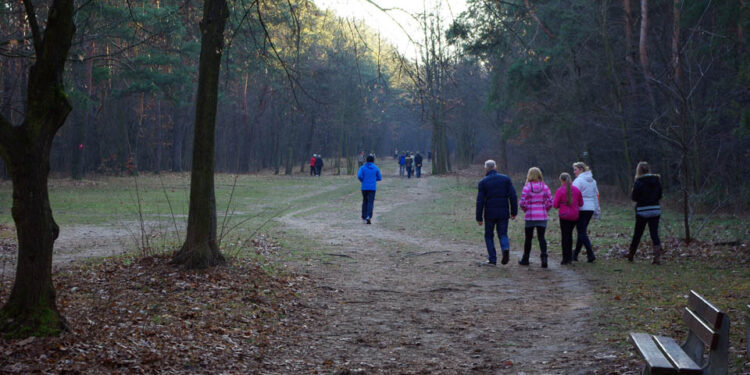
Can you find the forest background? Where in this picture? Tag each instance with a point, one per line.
(607, 82)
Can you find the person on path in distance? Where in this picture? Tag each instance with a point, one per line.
(361, 158)
(418, 164)
(496, 203)
(585, 182)
(536, 200)
(401, 164)
(409, 161)
(368, 175)
(646, 194)
(568, 201)
(318, 164)
(312, 165)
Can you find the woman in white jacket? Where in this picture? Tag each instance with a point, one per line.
(585, 182)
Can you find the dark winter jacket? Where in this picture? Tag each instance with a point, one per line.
(318, 162)
(496, 198)
(418, 160)
(647, 191)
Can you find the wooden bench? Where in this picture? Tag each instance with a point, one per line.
(708, 328)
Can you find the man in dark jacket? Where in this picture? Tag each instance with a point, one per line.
(418, 164)
(496, 202)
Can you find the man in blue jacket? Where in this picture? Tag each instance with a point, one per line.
(368, 175)
(496, 202)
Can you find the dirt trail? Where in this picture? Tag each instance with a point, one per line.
(388, 301)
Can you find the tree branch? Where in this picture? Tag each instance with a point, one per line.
(31, 14)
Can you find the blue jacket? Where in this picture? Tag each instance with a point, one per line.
(402, 160)
(496, 198)
(369, 175)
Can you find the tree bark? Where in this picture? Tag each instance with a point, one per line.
(200, 249)
(31, 309)
(643, 53)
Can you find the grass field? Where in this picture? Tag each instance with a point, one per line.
(632, 296)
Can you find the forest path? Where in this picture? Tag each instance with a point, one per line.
(392, 301)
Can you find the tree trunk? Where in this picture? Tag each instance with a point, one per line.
(200, 249)
(31, 309)
(643, 53)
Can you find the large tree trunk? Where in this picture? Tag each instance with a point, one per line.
(31, 309)
(200, 249)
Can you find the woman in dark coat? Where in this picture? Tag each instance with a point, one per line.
(646, 194)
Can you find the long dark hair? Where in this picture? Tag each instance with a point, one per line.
(564, 177)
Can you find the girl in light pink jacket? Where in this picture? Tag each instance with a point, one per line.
(536, 200)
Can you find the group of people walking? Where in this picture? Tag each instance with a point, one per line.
(577, 202)
(409, 163)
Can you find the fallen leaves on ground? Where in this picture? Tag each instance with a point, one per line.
(146, 315)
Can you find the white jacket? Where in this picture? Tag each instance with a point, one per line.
(587, 185)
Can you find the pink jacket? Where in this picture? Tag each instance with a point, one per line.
(569, 213)
(536, 200)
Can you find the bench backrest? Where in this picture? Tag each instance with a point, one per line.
(710, 327)
(703, 319)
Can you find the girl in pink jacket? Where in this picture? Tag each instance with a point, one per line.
(568, 200)
(536, 200)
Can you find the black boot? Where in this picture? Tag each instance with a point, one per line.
(506, 257)
(525, 258)
(575, 254)
(631, 253)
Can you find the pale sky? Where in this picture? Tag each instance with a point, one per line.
(389, 29)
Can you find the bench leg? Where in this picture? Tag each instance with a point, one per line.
(718, 359)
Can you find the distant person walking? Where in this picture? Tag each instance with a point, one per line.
(418, 164)
(646, 194)
(409, 161)
(318, 164)
(401, 165)
(361, 158)
(312, 165)
(496, 203)
(536, 201)
(585, 182)
(568, 199)
(368, 175)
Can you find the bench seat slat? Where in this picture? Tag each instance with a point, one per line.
(705, 310)
(700, 329)
(654, 357)
(678, 357)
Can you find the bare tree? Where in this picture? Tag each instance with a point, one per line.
(31, 309)
(200, 249)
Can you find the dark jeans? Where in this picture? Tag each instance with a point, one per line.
(419, 171)
(408, 172)
(529, 232)
(583, 237)
(312, 170)
(566, 231)
(368, 201)
(490, 225)
(640, 226)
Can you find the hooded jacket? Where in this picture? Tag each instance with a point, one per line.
(496, 198)
(647, 190)
(587, 185)
(536, 200)
(369, 175)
